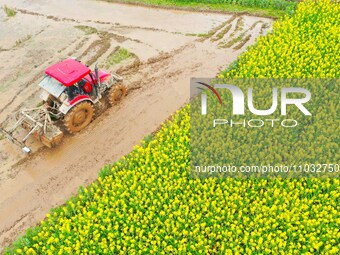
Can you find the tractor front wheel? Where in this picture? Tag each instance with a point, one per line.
(117, 92)
(79, 117)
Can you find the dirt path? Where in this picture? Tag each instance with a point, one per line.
(168, 48)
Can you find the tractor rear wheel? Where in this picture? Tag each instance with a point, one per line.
(79, 117)
(117, 92)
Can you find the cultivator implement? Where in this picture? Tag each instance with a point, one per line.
(36, 122)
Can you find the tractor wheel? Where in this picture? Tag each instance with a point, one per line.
(117, 92)
(79, 117)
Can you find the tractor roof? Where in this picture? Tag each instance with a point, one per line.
(68, 71)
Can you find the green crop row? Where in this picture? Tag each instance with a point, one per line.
(268, 8)
(275, 4)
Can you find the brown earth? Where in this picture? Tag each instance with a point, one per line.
(168, 47)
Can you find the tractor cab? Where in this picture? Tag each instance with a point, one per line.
(71, 89)
(68, 72)
(71, 75)
(73, 79)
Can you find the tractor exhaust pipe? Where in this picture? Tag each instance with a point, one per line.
(97, 75)
(99, 84)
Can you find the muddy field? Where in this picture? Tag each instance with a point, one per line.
(165, 48)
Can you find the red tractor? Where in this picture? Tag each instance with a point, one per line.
(70, 91)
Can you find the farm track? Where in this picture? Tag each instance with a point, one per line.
(164, 57)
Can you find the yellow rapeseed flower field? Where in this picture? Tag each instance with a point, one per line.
(303, 46)
(146, 203)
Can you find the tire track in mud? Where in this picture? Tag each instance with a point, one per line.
(137, 64)
(239, 36)
(23, 11)
(245, 36)
(78, 43)
(115, 25)
(98, 47)
(27, 86)
(238, 28)
(233, 29)
(14, 225)
(264, 28)
(14, 230)
(119, 38)
(20, 42)
(219, 32)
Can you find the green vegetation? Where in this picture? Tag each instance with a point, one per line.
(22, 40)
(268, 8)
(40, 104)
(243, 42)
(118, 56)
(231, 42)
(87, 29)
(10, 12)
(220, 35)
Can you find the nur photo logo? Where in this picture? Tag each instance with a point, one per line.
(239, 127)
(239, 104)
